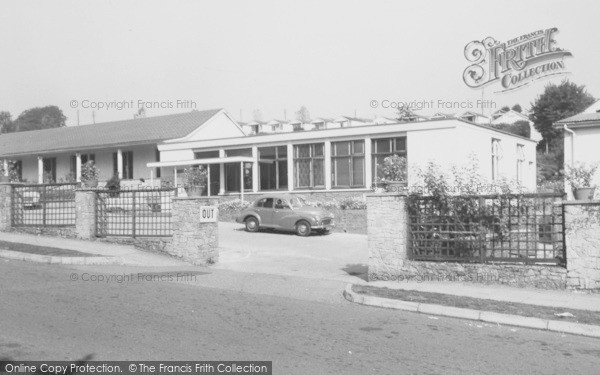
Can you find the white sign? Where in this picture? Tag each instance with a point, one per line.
(208, 214)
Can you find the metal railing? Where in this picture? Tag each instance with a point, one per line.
(134, 213)
(527, 228)
(43, 205)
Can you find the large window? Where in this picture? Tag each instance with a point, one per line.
(232, 171)
(382, 148)
(272, 168)
(127, 165)
(309, 171)
(496, 156)
(49, 175)
(520, 163)
(348, 164)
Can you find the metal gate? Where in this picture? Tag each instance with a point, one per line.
(134, 213)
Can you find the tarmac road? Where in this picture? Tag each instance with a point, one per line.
(46, 315)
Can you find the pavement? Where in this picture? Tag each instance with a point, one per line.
(336, 260)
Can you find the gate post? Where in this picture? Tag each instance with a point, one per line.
(582, 241)
(195, 229)
(387, 230)
(5, 206)
(85, 216)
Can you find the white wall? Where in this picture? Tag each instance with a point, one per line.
(104, 162)
(586, 146)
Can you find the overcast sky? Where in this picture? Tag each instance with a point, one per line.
(334, 57)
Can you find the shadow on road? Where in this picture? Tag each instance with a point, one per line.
(358, 270)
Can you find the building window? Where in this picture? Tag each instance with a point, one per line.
(348, 164)
(309, 171)
(207, 154)
(49, 174)
(84, 159)
(382, 148)
(520, 163)
(272, 168)
(17, 169)
(496, 156)
(157, 159)
(232, 171)
(127, 165)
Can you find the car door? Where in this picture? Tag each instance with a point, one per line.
(281, 213)
(266, 212)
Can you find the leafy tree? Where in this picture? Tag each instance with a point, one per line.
(5, 122)
(257, 115)
(505, 108)
(517, 108)
(557, 102)
(39, 118)
(303, 115)
(519, 128)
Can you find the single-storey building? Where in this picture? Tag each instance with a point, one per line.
(323, 160)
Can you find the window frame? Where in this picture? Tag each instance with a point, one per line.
(394, 150)
(276, 161)
(311, 159)
(352, 157)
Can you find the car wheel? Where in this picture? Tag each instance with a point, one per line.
(251, 224)
(303, 228)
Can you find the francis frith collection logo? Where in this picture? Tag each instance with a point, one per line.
(514, 63)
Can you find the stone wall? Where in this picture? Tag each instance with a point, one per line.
(194, 241)
(153, 244)
(65, 232)
(538, 276)
(311, 195)
(5, 209)
(388, 242)
(582, 232)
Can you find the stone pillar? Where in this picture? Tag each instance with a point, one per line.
(85, 219)
(387, 230)
(5, 206)
(195, 230)
(582, 241)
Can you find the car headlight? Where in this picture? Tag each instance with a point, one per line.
(317, 219)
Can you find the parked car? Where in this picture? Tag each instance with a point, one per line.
(286, 212)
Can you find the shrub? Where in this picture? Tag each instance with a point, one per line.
(393, 168)
(581, 175)
(234, 205)
(89, 172)
(195, 176)
(353, 203)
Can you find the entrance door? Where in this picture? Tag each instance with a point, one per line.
(264, 207)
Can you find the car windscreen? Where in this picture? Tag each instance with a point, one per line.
(297, 202)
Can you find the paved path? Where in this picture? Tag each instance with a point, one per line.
(323, 257)
(44, 314)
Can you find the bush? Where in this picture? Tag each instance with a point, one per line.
(89, 172)
(353, 203)
(195, 176)
(234, 205)
(581, 175)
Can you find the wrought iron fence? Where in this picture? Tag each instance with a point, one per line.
(134, 213)
(43, 205)
(527, 228)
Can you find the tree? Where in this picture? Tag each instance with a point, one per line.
(5, 122)
(257, 115)
(517, 108)
(505, 108)
(558, 102)
(39, 118)
(303, 115)
(519, 128)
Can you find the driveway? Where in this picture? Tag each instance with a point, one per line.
(337, 256)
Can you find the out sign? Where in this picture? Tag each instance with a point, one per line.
(208, 214)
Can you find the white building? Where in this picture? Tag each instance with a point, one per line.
(337, 160)
(511, 116)
(582, 137)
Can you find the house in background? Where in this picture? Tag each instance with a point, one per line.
(474, 117)
(582, 138)
(512, 116)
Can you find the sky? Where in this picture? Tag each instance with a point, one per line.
(334, 57)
